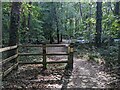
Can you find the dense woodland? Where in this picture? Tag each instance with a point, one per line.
(53, 22)
(96, 22)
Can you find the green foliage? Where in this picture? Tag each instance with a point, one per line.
(35, 31)
(43, 24)
(5, 21)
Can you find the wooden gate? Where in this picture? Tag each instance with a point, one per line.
(15, 61)
(69, 53)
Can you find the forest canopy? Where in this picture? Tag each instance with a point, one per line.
(74, 20)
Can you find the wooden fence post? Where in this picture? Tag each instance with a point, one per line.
(44, 57)
(16, 59)
(70, 56)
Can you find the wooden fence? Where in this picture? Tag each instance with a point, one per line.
(9, 59)
(69, 53)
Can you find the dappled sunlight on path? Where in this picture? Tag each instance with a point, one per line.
(88, 75)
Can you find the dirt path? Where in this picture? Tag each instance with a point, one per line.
(88, 75)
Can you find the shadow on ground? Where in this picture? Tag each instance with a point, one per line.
(85, 74)
(33, 76)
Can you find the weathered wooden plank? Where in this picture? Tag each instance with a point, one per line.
(9, 70)
(40, 45)
(8, 48)
(22, 63)
(57, 45)
(0, 61)
(29, 54)
(1, 76)
(47, 45)
(9, 59)
(58, 53)
(49, 62)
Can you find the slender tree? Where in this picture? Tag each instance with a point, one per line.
(81, 14)
(23, 24)
(14, 24)
(0, 26)
(117, 13)
(29, 20)
(98, 24)
(55, 5)
(119, 48)
(117, 8)
(58, 33)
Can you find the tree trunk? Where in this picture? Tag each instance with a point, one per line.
(58, 36)
(119, 50)
(14, 25)
(119, 46)
(29, 15)
(71, 30)
(29, 20)
(76, 25)
(81, 14)
(51, 38)
(117, 8)
(23, 28)
(117, 13)
(0, 27)
(61, 38)
(80, 9)
(56, 20)
(89, 25)
(98, 24)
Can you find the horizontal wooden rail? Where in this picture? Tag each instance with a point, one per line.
(57, 54)
(56, 45)
(8, 48)
(9, 70)
(47, 45)
(1, 75)
(9, 59)
(29, 54)
(30, 63)
(40, 45)
(49, 62)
